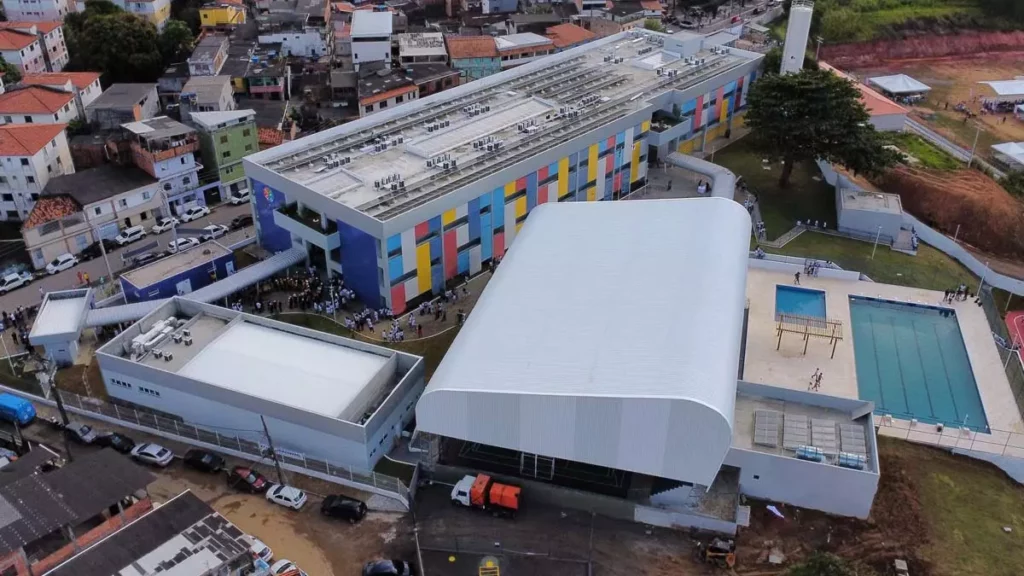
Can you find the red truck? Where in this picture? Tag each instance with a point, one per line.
(481, 491)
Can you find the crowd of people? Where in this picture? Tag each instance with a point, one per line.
(18, 322)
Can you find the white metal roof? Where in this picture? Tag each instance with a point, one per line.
(368, 23)
(211, 120)
(60, 316)
(610, 334)
(1007, 87)
(899, 84)
(285, 368)
(521, 40)
(1014, 151)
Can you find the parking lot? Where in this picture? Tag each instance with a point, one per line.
(320, 546)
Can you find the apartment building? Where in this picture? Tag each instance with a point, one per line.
(30, 155)
(23, 49)
(209, 55)
(421, 48)
(371, 37)
(165, 149)
(156, 11)
(225, 138)
(207, 94)
(85, 86)
(38, 10)
(37, 105)
(50, 34)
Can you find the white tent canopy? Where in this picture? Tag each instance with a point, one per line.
(1012, 153)
(899, 84)
(1007, 90)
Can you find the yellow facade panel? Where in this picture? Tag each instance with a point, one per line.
(422, 267)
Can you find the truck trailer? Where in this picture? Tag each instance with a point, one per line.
(481, 491)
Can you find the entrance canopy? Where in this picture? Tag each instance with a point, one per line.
(899, 84)
(1007, 90)
(1011, 153)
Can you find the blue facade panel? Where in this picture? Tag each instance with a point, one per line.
(272, 237)
(359, 261)
(182, 283)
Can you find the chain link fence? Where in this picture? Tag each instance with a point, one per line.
(1005, 344)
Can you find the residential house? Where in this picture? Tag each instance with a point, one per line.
(566, 36)
(240, 52)
(156, 11)
(378, 92)
(301, 27)
(652, 9)
(29, 156)
(123, 103)
(50, 34)
(371, 37)
(499, 6)
(536, 23)
(54, 513)
(517, 49)
(85, 86)
(474, 57)
(222, 14)
(169, 86)
(207, 94)
(421, 48)
(37, 105)
(38, 10)
(269, 78)
(588, 8)
(225, 138)
(165, 149)
(23, 49)
(432, 78)
(209, 55)
(622, 15)
(182, 534)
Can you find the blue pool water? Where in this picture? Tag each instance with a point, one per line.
(912, 362)
(802, 301)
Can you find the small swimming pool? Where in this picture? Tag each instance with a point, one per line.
(912, 363)
(801, 301)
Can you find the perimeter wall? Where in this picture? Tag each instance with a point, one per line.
(964, 43)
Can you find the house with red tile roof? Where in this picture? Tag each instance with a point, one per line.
(566, 36)
(23, 49)
(30, 154)
(51, 35)
(84, 85)
(37, 105)
(886, 115)
(474, 57)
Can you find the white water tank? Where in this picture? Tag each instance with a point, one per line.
(797, 33)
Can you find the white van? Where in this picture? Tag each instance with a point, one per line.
(129, 235)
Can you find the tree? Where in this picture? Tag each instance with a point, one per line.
(176, 42)
(653, 24)
(122, 46)
(814, 115)
(822, 564)
(9, 72)
(1013, 182)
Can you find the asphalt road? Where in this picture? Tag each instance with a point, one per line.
(96, 268)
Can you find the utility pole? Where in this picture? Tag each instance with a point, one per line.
(103, 250)
(974, 148)
(273, 452)
(875, 247)
(60, 408)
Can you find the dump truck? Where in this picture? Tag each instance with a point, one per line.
(481, 491)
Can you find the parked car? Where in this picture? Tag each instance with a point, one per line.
(14, 281)
(143, 259)
(688, 24)
(153, 454)
(241, 221)
(61, 263)
(248, 479)
(164, 224)
(259, 549)
(115, 440)
(179, 244)
(16, 409)
(285, 568)
(194, 213)
(239, 197)
(81, 433)
(129, 235)
(94, 251)
(203, 461)
(343, 507)
(389, 568)
(287, 496)
(213, 231)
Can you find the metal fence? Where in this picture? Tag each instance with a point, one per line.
(1011, 358)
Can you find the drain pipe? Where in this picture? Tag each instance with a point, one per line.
(723, 181)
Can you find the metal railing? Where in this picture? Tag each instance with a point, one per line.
(1011, 359)
(996, 442)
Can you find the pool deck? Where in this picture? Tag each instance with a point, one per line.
(789, 368)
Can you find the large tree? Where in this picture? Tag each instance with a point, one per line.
(176, 41)
(122, 46)
(814, 115)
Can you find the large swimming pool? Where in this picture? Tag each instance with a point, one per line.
(912, 362)
(799, 301)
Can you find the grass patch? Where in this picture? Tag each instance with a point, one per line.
(964, 506)
(804, 199)
(926, 154)
(963, 134)
(930, 269)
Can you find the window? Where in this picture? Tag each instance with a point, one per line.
(186, 180)
(8, 119)
(34, 196)
(30, 179)
(246, 132)
(13, 215)
(53, 143)
(3, 179)
(226, 154)
(368, 109)
(224, 139)
(383, 104)
(147, 195)
(167, 186)
(97, 210)
(149, 391)
(248, 147)
(28, 119)
(182, 159)
(7, 197)
(123, 203)
(399, 98)
(120, 383)
(24, 161)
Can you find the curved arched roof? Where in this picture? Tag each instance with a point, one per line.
(610, 335)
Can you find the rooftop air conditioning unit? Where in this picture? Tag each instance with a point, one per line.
(176, 338)
(158, 353)
(187, 340)
(401, 184)
(168, 357)
(394, 186)
(187, 333)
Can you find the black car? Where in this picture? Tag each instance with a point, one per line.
(203, 461)
(143, 259)
(119, 442)
(241, 221)
(343, 507)
(389, 568)
(248, 479)
(93, 250)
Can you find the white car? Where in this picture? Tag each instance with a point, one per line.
(239, 197)
(259, 549)
(163, 225)
(213, 231)
(13, 281)
(194, 213)
(179, 244)
(285, 568)
(287, 496)
(154, 454)
(61, 263)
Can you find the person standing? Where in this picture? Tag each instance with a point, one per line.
(796, 278)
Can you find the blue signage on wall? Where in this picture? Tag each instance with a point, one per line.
(271, 236)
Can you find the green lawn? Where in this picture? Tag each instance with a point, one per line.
(804, 199)
(929, 269)
(927, 155)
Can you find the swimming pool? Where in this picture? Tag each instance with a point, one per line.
(802, 301)
(912, 362)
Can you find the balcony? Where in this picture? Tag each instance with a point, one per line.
(306, 224)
